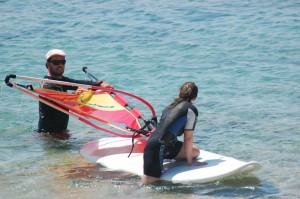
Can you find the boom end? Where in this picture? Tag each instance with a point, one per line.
(7, 80)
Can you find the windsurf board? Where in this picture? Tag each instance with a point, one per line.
(113, 153)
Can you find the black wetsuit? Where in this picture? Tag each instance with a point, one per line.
(52, 120)
(163, 143)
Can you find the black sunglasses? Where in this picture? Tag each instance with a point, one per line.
(57, 62)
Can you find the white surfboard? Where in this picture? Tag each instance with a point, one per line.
(113, 154)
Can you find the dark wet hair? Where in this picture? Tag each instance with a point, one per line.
(187, 92)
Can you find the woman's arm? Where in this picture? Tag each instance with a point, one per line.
(188, 145)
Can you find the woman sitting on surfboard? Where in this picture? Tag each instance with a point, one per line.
(178, 118)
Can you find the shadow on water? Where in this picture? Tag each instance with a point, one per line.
(62, 145)
(245, 186)
(62, 160)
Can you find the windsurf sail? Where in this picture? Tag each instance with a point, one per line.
(105, 109)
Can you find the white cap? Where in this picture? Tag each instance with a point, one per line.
(52, 52)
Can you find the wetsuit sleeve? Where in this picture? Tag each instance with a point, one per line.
(56, 87)
(191, 120)
(93, 83)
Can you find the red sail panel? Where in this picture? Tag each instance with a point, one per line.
(98, 104)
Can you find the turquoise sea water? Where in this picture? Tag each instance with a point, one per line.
(243, 55)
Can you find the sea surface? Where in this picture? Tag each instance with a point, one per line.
(243, 55)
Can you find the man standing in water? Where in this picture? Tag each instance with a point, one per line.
(52, 121)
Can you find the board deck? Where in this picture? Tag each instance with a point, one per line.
(113, 154)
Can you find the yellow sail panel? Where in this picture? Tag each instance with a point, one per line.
(104, 102)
